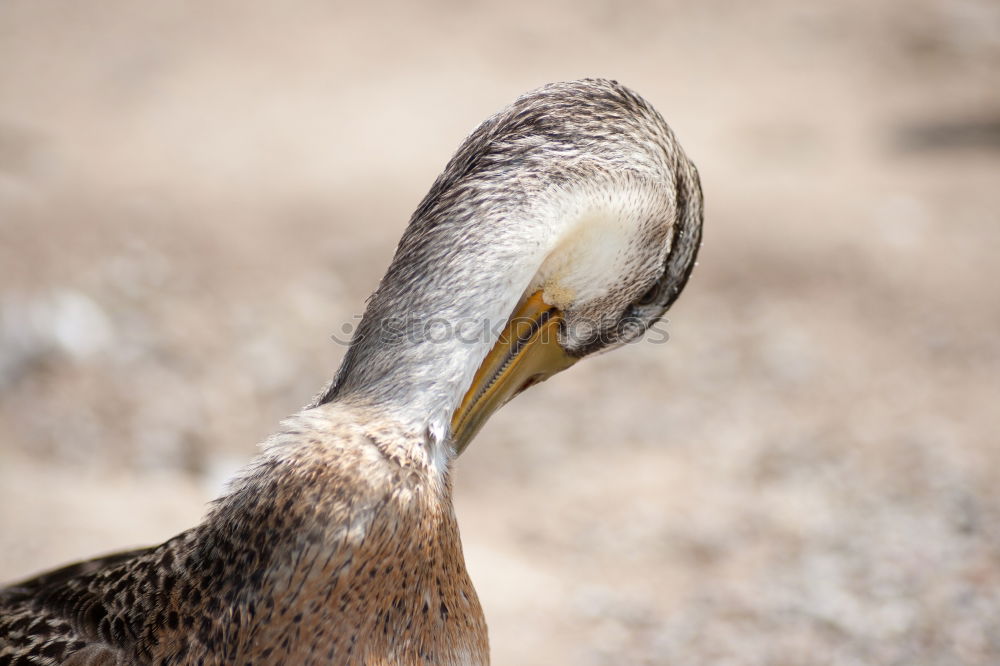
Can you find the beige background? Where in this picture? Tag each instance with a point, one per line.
(195, 195)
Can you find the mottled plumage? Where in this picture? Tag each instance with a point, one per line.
(257, 581)
(339, 545)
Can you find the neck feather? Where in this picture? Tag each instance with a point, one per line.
(485, 230)
(447, 294)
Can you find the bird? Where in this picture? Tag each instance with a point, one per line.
(565, 225)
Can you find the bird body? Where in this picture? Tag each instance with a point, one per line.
(338, 545)
(564, 225)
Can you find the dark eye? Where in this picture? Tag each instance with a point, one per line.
(650, 296)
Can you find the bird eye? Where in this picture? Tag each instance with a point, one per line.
(650, 296)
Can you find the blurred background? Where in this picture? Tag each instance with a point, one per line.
(194, 196)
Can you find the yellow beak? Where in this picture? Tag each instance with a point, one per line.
(527, 352)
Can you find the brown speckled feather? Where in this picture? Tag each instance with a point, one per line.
(339, 546)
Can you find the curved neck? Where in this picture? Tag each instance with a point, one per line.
(447, 294)
(588, 153)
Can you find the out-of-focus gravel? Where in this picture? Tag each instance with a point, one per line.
(193, 198)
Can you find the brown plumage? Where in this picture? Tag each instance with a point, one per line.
(257, 583)
(339, 545)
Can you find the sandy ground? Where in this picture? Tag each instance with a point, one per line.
(195, 196)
